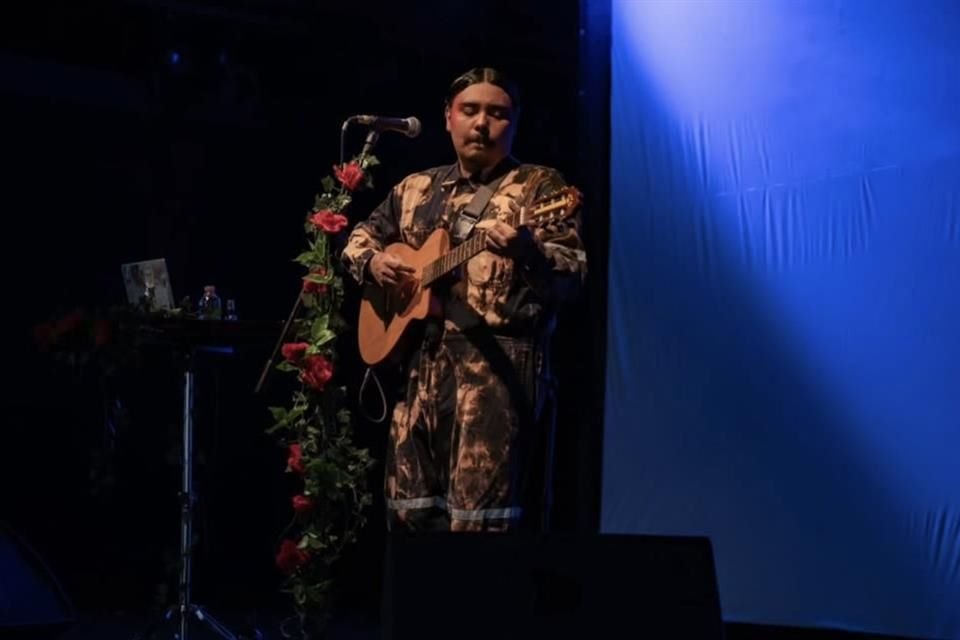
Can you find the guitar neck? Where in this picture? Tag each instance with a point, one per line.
(455, 257)
(551, 208)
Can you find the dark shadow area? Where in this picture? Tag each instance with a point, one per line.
(199, 133)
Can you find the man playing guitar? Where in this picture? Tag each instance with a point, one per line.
(467, 447)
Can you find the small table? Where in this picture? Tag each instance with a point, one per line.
(190, 336)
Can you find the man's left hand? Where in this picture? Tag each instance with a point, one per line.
(504, 240)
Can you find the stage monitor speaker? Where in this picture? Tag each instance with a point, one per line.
(32, 603)
(473, 585)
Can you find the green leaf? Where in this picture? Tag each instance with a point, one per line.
(322, 202)
(300, 594)
(319, 279)
(320, 245)
(316, 543)
(320, 334)
(297, 411)
(301, 327)
(323, 338)
(307, 258)
(328, 184)
(324, 474)
(275, 428)
(342, 201)
(319, 325)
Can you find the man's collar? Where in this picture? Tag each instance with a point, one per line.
(482, 177)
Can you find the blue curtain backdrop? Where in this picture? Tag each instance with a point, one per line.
(784, 303)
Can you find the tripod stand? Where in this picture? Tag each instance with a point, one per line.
(185, 610)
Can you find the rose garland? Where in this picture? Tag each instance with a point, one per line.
(316, 428)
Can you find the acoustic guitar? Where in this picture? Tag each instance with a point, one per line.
(387, 312)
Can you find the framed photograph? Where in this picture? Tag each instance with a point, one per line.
(148, 283)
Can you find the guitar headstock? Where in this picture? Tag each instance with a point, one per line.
(554, 208)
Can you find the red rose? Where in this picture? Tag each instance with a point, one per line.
(316, 372)
(295, 459)
(350, 175)
(69, 323)
(101, 333)
(302, 504)
(329, 221)
(309, 286)
(293, 351)
(290, 557)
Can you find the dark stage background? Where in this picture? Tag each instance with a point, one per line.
(199, 132)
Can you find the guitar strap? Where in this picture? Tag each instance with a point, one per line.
(471, 214)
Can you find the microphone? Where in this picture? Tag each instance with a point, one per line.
(407, 126)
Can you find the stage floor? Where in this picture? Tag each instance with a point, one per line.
(350, 626)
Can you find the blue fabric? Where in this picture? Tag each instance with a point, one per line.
(784, 303)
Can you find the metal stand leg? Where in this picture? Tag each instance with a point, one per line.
(186, 507)
(185, 609)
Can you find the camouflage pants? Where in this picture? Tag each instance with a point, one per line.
(464, 451)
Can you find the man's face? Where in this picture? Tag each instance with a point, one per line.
(481, 122)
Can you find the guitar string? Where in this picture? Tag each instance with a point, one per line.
(473, 245)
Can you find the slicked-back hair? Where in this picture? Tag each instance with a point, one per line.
(484, 74)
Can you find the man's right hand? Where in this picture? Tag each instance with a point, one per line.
(390, 270)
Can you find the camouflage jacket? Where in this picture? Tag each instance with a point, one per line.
(511, 299)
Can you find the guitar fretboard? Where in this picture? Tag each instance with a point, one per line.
(459, 254)
(550, 208)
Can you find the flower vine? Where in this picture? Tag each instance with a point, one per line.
(316, 429)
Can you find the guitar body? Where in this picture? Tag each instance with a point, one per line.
(386, 313)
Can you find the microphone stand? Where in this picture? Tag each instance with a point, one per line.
(268, 366)
(372, 137)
